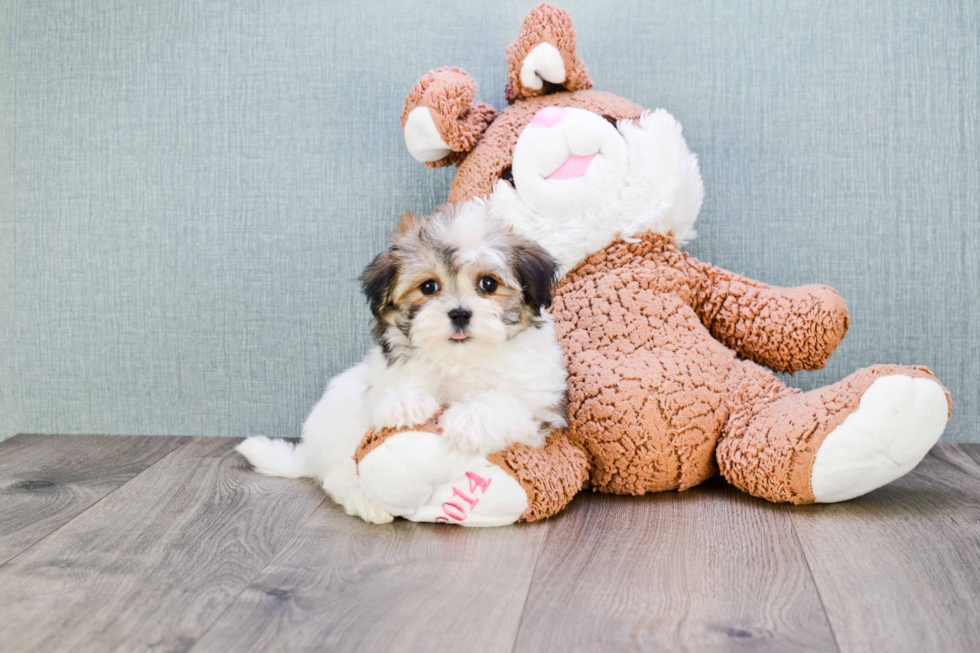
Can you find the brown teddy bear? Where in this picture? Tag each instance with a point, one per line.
(670, 360)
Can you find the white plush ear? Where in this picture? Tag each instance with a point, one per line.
(422, 138)
(542, 64)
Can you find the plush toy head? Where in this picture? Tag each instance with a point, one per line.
(567, 166)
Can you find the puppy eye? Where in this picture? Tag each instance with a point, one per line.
(488, 285)
(508, 175)
(429, 287)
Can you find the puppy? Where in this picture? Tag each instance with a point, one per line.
(457, 314)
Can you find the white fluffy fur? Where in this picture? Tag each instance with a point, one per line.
(498, 391)
(662, 192)
(493, 401)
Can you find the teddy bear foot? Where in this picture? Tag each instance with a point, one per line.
(417, 476)
(898, 420)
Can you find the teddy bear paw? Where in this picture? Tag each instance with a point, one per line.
(418, 476)
(898, 420)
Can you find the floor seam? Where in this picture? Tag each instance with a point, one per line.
(101, 499)
(813, 578)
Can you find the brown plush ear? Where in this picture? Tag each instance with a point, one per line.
(448, 95)
(551, 25)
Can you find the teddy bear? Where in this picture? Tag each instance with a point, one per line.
(670, 360)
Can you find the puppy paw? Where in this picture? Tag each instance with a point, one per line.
(405, 408)
(475, 428)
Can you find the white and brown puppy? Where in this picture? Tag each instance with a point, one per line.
(457, 310)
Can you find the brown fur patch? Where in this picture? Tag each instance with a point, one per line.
(406, 223)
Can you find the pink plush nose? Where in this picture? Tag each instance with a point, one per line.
(548, 117)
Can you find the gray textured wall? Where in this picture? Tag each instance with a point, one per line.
(189, 189)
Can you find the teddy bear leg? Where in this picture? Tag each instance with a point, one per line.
(832, 443)
(414, 474)
(551, 475)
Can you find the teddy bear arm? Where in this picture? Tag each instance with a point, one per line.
(785, 329)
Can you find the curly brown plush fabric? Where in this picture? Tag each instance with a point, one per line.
(740, 313)
(550, 476)
(656, 399)
(650, 384)
(448, 94)
(546, 23)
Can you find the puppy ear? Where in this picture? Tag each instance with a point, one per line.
(536, 271)
(440, 121)
(378, 282)
(543, 58)
(406, 223)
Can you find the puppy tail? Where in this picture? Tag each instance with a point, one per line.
(273, 457)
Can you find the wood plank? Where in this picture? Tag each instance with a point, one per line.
(344, 585)
(899, 569)
(710, 569)
(155, 562)
(46, 480)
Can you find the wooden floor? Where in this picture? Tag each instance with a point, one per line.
(173, 544)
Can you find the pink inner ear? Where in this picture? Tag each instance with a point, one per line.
(575, 166)
(548, 117)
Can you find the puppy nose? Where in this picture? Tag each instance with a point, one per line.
(460, 317)
(548, 117)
